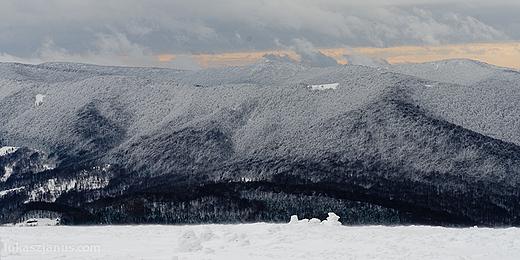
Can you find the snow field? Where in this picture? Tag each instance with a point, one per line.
(7, 150)
(39, 100)
(324, 86)
(258, 241)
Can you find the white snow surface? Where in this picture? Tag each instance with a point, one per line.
(257, 241)
(53, 188)
(7, 174)
(8, 170)
(4, 192)
(332, 220)
(40, 222)
(39, 100)
(324, 86)
(7, 150)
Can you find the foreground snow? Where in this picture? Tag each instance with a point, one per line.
(258, 241)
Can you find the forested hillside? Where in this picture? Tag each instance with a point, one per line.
(258, 143)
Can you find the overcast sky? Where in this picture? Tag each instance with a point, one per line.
(136, 32)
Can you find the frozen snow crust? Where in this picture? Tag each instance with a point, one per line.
(257, 143)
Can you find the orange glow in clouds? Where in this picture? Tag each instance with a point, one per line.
(499, 54)
(229, 59)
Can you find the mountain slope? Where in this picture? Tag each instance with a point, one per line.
(484, 98)
(254, 143)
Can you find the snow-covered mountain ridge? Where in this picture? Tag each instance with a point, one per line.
(256, 143)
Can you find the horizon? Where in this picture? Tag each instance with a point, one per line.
(244, 59)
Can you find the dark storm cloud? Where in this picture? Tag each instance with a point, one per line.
(142, 29)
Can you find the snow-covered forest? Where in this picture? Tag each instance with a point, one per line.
(434, 143)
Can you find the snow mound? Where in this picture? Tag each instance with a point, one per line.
(294, 219)
(238, 240)
(324, 86)
(189, 242)
(332, 220)
(314, 221)
(207, 235)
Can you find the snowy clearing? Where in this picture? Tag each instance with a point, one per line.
(4, 192)
(258, 241)
(8, 171)
(32, 222)
(39, 100)
(7, 150)
(324, 86)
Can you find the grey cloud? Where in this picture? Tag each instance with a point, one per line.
(277, 57)
(309, 56)
(316, 59)
(467, 26)
(118, 44)
(302, 47)
(49, 50)
(183, 63)
(513, 29)
(361, 59)
(319, 60)
(145, 28)
(398, 27)
(308, 53)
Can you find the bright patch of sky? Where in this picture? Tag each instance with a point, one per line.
(139, 33)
